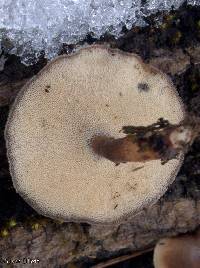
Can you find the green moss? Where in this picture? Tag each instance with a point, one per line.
(194, 87)
(36, 226)
(168, 21)
(194, 79)
(176, 38)
(4, 232)
(12, 223)
(164, 26)
(170, 18)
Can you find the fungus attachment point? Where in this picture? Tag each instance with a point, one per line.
(160, 140)
(93, 93)
(122, 150)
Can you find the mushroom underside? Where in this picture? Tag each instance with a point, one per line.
(93, 92)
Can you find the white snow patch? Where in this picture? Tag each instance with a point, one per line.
(36, 25)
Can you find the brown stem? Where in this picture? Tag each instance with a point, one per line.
(122, 150)
(164, 141)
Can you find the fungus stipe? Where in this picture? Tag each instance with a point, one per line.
(161, 140)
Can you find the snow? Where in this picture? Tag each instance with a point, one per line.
(35, 25)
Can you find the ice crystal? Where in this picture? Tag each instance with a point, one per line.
(29, 27)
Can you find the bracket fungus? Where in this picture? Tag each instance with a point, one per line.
(62, 121)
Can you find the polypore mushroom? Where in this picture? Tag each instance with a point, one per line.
(58, 121)
(178, 252)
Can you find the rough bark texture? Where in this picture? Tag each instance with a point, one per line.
(172, 47)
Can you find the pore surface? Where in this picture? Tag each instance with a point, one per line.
(53, 119)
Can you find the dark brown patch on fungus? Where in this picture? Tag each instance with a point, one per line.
(47, 88)
(143, 87)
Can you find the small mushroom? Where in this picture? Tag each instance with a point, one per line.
(58, 126)
(178, 252)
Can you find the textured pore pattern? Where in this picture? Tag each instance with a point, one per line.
(96, 91)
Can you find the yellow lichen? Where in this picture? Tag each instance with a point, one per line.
(35, 226)
(12, 223)
(4, 232)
